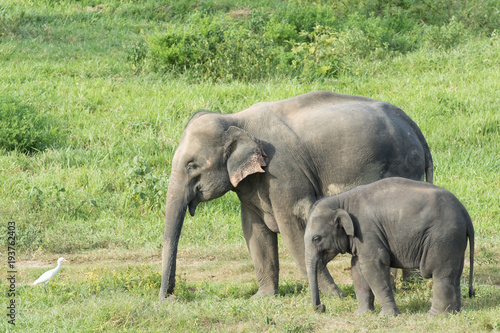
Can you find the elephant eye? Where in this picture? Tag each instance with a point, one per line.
(316, 239)
(191, 166)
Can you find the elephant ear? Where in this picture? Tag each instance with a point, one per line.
(243, 154)
(342, 219)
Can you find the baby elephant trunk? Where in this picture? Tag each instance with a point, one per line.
(312, 275)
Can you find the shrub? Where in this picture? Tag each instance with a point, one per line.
(373, 35)
(322, 56)
(299, 39)
(222, 48)
(305, 17)
(446, 36)
(24, 129)
(279, 32)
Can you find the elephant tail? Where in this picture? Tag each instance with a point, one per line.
(470, 235)
(429, 166)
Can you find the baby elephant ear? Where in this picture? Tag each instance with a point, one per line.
(243, 154)
(343, 219)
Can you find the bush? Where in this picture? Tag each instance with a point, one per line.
(305, 17)
(446, 36)
(222, 48)
(375, 36)
(480, 15)
(24, 129)
(300, 39)
(322, 56)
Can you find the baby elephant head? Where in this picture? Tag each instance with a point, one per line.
(328, 233)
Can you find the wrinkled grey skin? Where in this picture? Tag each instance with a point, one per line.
(279, 158)
(393, 222)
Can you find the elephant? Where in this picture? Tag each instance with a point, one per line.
(393, 222)
(279, 158)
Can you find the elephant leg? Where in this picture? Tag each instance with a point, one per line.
(263, 246)
(377, 276)
(444, 295)
(458, 295)
(363, 292)
(394, 276)
(458, 291)
(326, 283)
(445, 264)
(293, 237)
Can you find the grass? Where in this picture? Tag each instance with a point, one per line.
(214, 294)
(96, 196)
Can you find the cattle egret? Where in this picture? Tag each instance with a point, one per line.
(45, 278)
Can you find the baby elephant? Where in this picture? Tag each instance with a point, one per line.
(393, 222)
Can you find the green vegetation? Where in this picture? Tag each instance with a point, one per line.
(297, 39)
(94, 96)
(25, 130)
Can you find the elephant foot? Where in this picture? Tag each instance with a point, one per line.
(170, 298)
(433, 312)
(340, 293)
(266, 292)
(333, 291)
(360, 311)
(319, 308)
(390, 312)
(328, 286)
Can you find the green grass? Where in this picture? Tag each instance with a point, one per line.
(96, 194)
(214, 294)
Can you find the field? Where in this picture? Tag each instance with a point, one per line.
(94, 96)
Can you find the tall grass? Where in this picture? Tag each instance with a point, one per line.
(94, 192)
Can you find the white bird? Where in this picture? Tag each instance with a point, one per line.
(45, 277)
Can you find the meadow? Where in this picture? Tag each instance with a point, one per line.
(94, 96)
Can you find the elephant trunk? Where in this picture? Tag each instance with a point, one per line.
(175, 213)
(312, 275)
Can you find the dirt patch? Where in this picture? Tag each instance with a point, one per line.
(230, 263)
(240, 13)
(97, 8)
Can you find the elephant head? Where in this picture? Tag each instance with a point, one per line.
(328, 233)
(212, 158)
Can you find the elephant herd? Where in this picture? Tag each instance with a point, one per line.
(332, 174)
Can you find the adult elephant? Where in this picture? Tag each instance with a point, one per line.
(280, 157)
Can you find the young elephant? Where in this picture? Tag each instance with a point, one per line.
(393, 222)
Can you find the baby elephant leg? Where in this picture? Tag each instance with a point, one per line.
(364, 294)
(377, 276)
(446, 297)
(326, 283)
